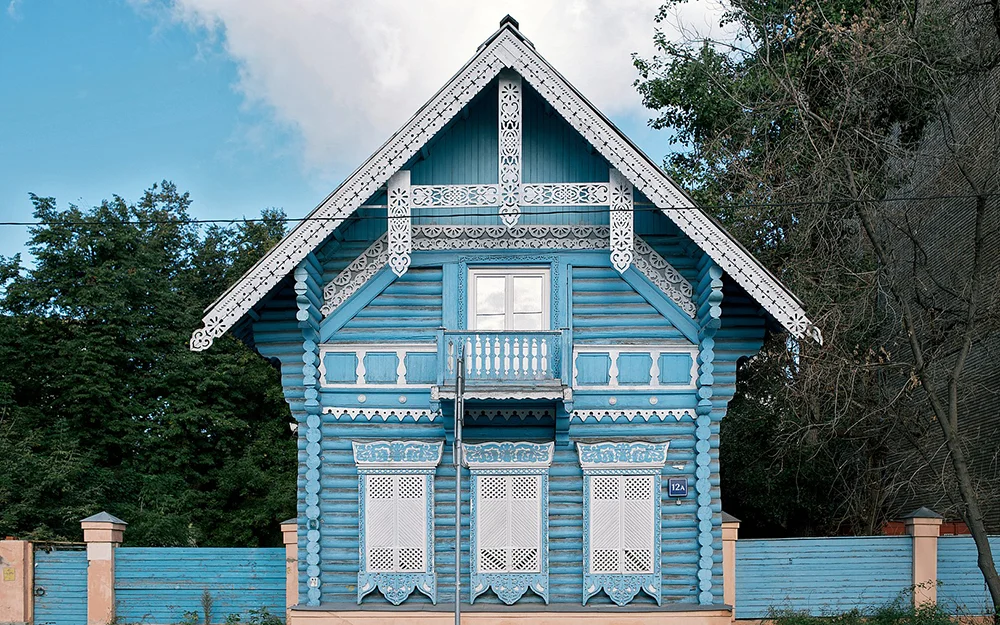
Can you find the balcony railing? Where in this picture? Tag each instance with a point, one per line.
(503, 357)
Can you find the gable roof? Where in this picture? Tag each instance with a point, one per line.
(506, 48)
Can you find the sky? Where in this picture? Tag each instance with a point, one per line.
(251, 104)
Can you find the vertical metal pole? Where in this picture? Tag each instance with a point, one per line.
(457, 455)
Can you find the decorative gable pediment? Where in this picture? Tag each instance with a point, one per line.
(510, 59)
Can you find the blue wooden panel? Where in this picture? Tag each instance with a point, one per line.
(155, 586)
(421, 368)
(962, 589)
(341, 367)
(60, 587)
(380, 367)
(605, 307)
(821, 576)
(592, 369)
(675, 368)
(634, 369)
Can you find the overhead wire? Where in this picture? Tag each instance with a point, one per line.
(650, 208)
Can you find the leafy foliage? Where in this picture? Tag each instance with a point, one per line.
(102, 405)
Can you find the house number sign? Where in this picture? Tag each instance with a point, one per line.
(677, 487)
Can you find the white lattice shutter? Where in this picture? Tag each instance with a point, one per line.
(396, 523)
(525, 523)
(508, 523)
(621, 524)
(638, 514)
(605, 524)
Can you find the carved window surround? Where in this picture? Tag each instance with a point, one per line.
(396, 517)
(510, 486)
(621, 519)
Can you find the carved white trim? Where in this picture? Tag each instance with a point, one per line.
(438, 238)
(664, 276)
(443, 238)
(632, 415)
(399, 224)
(505, 48)
(453, 195)
(622, 224)
(565, 194)
(381, 414)
(510, 147)
(355, 275)
(396, 454)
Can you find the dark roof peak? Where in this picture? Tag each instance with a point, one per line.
(507, 19)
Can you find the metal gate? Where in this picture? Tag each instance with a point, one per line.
(60, 585)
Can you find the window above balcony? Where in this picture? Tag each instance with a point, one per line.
(506, 299)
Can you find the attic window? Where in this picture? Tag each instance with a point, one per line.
(509, 299)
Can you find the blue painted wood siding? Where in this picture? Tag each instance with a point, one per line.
(962, 589)
(62, 575)
(158, 585)
(605, 307)
(821, 576)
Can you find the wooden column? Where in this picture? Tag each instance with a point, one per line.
(924, 526)
(16, 581)
(730, 532)
(290, 534)
(102, 533)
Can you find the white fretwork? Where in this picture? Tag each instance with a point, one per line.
(399, 226)
(452, 195)
(631, 415)
(505, 49)
(621, 216)
(442, 238)
(381, 414)
(355, 275)
(510, 148)
(565, 194)
(663, 275)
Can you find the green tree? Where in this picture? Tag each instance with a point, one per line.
(102, 405)
(795, 132)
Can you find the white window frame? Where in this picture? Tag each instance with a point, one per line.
(624, 519)
(400, 528)
(509, 272)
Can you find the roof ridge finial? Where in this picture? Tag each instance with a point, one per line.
(507, 19)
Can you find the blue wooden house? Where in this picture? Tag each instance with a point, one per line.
(600, 315)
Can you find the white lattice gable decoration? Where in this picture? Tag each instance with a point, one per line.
(507, 49)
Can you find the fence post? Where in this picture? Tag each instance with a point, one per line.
(17, 581)
(102, 533)
(924, 526)
(290, 533)
(730, 532)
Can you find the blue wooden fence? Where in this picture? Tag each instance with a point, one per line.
(60, 586)
(821, 575)
(158, 585)
(962, 589)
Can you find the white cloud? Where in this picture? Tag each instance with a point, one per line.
(12, 7)
(346, 74)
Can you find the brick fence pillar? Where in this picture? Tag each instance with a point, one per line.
(17, 569)
(730, 532)
(290, 533)
(102, 533)
(924, 526)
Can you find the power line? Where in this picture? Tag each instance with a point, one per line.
(648, 208)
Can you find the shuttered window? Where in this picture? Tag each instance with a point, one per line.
(622, 517)
(396, 523)
(508, 523)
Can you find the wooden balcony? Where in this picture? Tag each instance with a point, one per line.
(505, 365)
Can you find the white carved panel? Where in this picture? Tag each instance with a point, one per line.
(399, 227)
(454, 195)
(510, 148)
(565, 194)
(508, 523)
(396, 523)
(621, 216)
